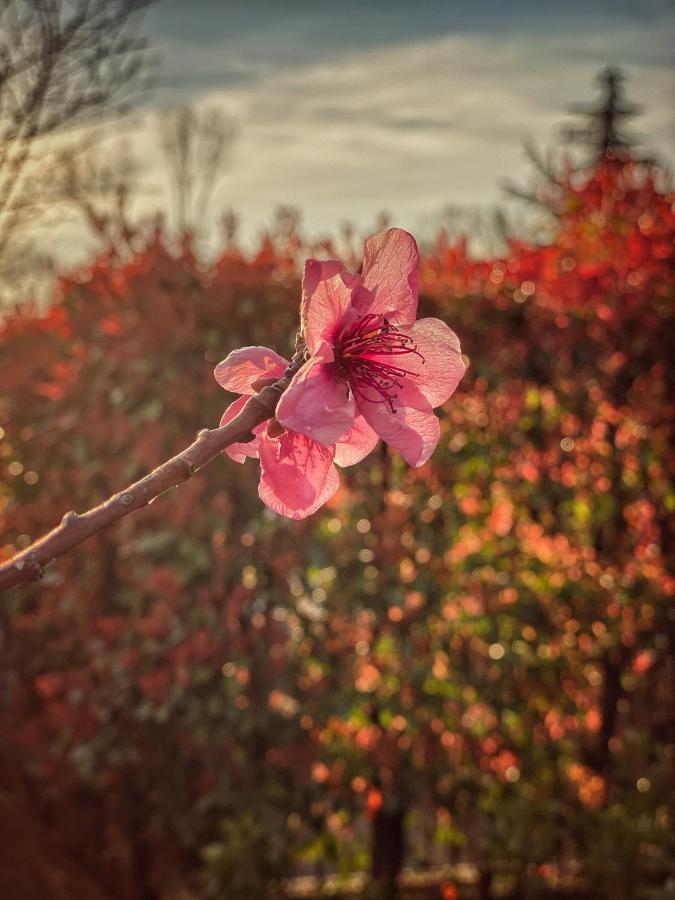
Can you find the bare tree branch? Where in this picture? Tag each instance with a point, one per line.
(62, 65)
(195, 144)
(29, 564)
(99, 185)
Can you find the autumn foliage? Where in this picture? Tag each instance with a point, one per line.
(466, 662)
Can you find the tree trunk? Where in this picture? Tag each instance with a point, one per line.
(388, 848)
(485, 884)
(34, 864)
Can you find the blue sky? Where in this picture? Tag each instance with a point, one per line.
(278, 29)
(347, 108)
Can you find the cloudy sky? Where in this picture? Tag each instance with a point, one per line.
(347, 108)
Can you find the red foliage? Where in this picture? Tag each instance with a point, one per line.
(486, 635)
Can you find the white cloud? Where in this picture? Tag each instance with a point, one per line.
(416, 126)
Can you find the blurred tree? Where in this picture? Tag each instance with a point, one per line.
(195, 143)
(100, 186)
(61, 65)
(601, 135)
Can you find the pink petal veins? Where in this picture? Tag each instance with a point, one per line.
(410, 427)
(297, 475)
(390, 266)
(240, 451)
(354, 446)
(325, 308)
(442, 368)
(437, 367)
(238, 371)
(317, 403)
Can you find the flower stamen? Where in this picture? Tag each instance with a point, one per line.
(370, 336)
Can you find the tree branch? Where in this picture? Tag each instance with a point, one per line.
(29, 564)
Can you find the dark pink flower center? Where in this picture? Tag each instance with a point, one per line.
(358, 354)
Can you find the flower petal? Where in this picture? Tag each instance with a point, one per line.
(238, 371)
(411, 428)
(240, 451)
(317, 270)
(442, 367)
(297, 475)
(326, 298)
(390, 266)
(317, 402)
(354, 446)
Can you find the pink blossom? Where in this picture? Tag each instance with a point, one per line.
(369, 359)
(297, 474)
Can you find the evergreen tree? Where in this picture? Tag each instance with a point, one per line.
(602, 133)
(603, 129)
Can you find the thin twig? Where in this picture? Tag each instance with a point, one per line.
(29, 564)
